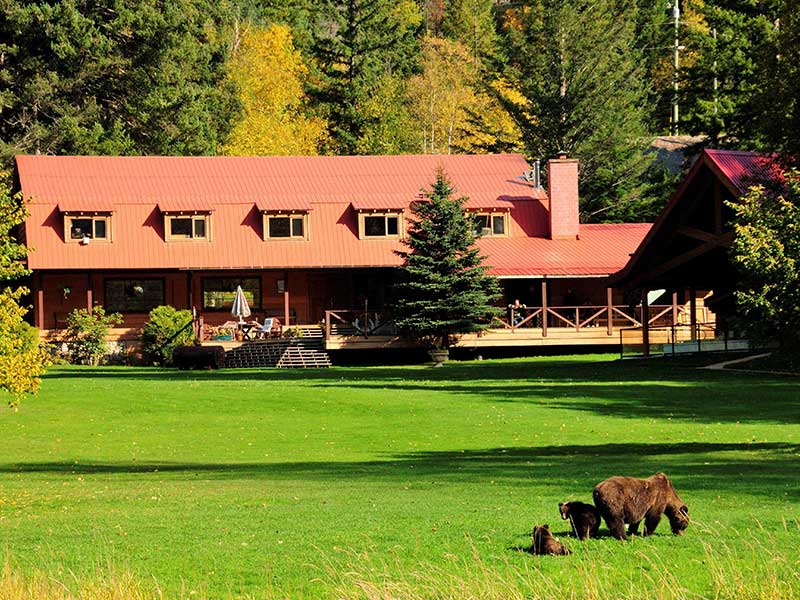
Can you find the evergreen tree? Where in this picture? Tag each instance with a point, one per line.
(445, 289)
(360, 46)
(728, 44)
(472, 23)
(577, 66)
(779, 100)
(113, 77)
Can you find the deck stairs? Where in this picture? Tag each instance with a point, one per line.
(303, 352)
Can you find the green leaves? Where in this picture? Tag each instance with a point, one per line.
(766, 251)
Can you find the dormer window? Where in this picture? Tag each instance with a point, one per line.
(187, 227)
(490, 223)
(83, 227)
(282, 226)
(380, 225)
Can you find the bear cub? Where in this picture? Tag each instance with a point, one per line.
(545, 543)
(585, 518)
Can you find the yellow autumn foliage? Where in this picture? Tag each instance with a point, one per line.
(270, 74)
(451, 111)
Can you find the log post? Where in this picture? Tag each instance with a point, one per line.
(286, 308)
(610, 309)
(693, 312)
(544, 308)
(645, 324)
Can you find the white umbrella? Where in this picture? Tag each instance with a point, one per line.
(240, 308)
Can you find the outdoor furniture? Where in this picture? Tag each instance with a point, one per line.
(270, 328)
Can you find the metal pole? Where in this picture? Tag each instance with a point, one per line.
(676, 16)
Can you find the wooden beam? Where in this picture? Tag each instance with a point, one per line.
(645, 324)
(610, 307)
(286, 306)
(544, 307)
(721, 240)
(697, 234)
(693, 312)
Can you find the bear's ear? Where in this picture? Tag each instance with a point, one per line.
(684, 510)
(546, 526)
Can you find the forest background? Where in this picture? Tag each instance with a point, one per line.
(592, 78)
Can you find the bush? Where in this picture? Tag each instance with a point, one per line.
(167, 329)
(86, 334)
(23, 360)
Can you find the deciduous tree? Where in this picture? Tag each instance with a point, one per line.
(22, 359)
(766, 250)
(270, 75)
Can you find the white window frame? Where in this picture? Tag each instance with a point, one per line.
(194, 216)
(290, 216)
(362, 216)
(94, 217)
(491, 215)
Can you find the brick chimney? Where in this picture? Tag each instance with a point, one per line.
(562, 188)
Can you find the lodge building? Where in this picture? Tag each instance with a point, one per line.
(310, 240)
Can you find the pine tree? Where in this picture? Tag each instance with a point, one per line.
(577, 66)
(113, 77)
(445, 289)
(727, 47)
(364, 47)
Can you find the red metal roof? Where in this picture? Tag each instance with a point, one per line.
(745, 169)
(237, 188)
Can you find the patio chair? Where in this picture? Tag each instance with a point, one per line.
(270, 328)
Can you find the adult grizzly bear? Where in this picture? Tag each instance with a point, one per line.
(628, 500)
(545, 543)
(585, 518)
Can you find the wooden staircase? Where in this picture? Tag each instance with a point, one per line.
(303, 352)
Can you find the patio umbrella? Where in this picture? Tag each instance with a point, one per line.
(240, 308)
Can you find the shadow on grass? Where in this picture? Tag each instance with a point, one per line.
(624, 389)
(752, 468)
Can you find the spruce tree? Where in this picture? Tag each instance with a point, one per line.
(364, 50)
(445, 289)
(582, 78)
(113, 77)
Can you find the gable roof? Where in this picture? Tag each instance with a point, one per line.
(736, 170)
(235, 190)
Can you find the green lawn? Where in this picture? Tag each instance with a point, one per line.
(291, 482)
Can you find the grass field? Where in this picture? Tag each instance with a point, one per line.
(399, 482)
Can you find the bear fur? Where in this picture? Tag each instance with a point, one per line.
(585, 518)
(545, 543)
(623, 500)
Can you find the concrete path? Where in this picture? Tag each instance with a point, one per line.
(722, 366)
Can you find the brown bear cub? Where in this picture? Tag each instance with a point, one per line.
(585, 518)
(545, 543)
(623, 500)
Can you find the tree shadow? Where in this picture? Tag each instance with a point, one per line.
(735, 468)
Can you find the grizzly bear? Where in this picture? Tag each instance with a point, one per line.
(585, 518)
(623, 500)
(545, 543)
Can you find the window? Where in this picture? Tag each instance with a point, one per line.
(93, 227)
(218, 292)
(380, 225)
(133, 295)
(490, 223)
(285, 227)
(186, 227)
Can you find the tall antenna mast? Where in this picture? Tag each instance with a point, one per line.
(676, 17)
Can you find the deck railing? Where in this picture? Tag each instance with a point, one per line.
(350, 322)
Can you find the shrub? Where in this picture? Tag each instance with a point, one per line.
(23, 360)
(167, 329)
(86, 334)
